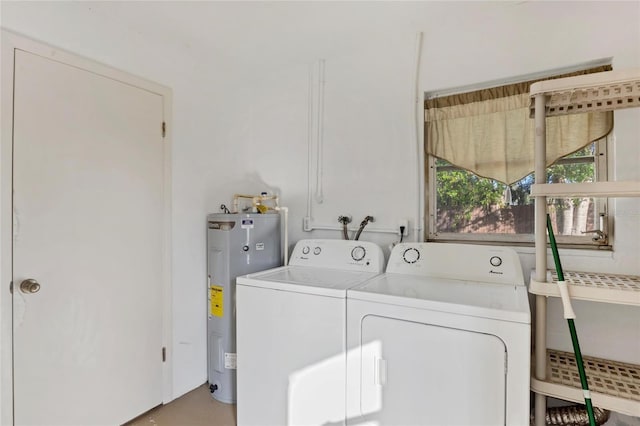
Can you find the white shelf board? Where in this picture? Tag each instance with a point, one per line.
(613, 385)
(586, 81)
(587, 189)
(591, 286)
(604, 91)
(568, 393)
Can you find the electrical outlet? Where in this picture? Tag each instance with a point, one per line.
(403, 223)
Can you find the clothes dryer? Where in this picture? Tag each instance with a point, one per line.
(291, 334)
(442, 338)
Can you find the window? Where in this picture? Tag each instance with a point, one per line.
(465, 206)
(488, 133)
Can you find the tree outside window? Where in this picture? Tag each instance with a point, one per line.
(468, 206)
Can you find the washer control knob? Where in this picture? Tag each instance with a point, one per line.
(411, 255)
(317, 250)
(305, 250)
(495, 261)
(245, 248)
(358, 253)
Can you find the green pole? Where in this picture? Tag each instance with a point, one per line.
(570, 315)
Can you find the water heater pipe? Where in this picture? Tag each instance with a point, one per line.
(285, 242)
(256, 201)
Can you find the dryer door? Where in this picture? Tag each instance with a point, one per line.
(421, 374)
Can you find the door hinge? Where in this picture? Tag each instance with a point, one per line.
(164, 129)
(164, 354)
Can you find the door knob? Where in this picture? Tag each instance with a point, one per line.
(29, 286)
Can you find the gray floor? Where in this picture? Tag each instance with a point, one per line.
(196, 408)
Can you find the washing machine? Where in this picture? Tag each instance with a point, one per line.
(291, 334)
(441, 338)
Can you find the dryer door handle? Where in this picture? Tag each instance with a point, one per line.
(380, 371)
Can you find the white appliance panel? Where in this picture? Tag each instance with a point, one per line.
(338, 254)
(296, 349)
(488, 300)
(464, 262)
(311, 280)
(421, 374)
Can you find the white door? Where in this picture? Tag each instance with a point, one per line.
(88, 227)
(427, 375)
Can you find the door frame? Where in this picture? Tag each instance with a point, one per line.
(11, 42)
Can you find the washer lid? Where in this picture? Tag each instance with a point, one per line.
(486, 300)
(304, 279)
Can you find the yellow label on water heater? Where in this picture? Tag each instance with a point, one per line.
(217, 300)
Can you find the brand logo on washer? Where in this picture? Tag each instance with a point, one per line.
(491, 271)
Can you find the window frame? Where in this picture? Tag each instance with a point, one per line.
(603, 206)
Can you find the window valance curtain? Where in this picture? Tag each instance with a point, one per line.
(489, 132)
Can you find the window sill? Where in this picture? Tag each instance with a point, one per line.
(526, 246)
(599, 252)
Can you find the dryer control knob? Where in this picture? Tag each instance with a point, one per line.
(411, 255)
(358, 253)
(317, 250)
(495, 261)
(305, 250)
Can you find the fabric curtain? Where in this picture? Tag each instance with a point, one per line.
(489, 132)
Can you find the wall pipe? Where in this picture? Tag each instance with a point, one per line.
(320, 135)
(309, 147)
(418, 116)
(352, 229)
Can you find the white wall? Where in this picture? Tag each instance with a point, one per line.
(240, 74)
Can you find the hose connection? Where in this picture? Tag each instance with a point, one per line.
(344, 220)
(364, 223)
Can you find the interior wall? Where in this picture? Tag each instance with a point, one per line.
(246, 100)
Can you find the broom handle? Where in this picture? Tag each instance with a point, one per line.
(569, 315)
